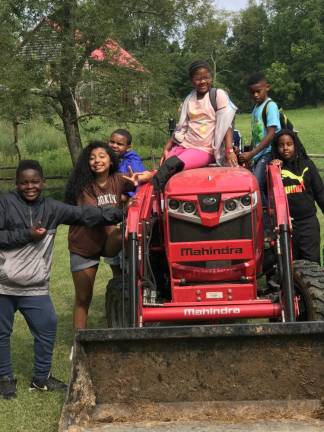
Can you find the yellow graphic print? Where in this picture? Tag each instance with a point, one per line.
(294, 188)
(201, 119)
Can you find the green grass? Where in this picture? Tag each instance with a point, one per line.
(38, 411)
(308, 122)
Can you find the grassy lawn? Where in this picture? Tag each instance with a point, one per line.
(38, 411)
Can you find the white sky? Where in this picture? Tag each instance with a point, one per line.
(231, 5)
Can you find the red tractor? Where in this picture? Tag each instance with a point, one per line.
(197, 256)
(197, 253)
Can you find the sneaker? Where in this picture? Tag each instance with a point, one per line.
(8, 387)
(47, 384)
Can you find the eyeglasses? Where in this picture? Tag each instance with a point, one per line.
(202, 78)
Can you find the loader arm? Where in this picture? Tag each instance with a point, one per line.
(278, 211)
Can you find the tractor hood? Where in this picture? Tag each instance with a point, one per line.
(212, 179)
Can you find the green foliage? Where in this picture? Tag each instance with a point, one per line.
(284, 88)
(295, 37)
(48, 71)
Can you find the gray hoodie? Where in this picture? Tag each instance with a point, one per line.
(25, 264)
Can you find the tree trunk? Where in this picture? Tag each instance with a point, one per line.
(15, 124)
(70, 122)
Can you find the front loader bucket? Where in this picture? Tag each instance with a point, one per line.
(196, 375)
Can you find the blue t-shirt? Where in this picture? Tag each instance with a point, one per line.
(130, 159)
(258, 128)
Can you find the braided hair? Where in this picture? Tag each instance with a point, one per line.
(82, 177)
(198, 64)
(296, 162)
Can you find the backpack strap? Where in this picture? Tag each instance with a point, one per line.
(212, 97)
(264, 113)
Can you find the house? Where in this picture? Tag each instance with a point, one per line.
(43, 44)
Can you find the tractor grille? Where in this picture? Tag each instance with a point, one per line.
(235, 229)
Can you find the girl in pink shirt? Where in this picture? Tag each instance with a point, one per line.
(203, 134)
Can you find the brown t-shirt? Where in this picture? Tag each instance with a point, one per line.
(89, 242)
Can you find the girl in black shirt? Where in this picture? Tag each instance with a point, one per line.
(304, 188)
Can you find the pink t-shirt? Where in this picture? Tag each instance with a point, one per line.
(199, 129)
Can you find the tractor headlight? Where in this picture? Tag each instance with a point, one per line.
(246, 200)
(174, 204)
(230, 205)
(186, 210)
(189, 207)
(238, 206)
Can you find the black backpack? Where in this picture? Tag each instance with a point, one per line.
(285, 123)
(212, 97)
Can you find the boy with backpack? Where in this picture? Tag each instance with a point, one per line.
(263, 129)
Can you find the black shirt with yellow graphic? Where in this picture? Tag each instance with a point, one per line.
(303, 188)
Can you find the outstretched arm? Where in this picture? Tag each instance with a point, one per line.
(138, 178)
(86, 215)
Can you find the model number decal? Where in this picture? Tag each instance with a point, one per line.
(214, 295)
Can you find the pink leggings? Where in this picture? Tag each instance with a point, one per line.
(191, 157)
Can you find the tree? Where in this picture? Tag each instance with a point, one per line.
(81, 27)
(246, 47)
(284, 88)
(295, 38)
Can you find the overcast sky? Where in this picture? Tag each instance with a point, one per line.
(231, 5)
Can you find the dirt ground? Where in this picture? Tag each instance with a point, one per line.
(208, 370)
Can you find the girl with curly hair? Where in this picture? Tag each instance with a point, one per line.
(94, 181)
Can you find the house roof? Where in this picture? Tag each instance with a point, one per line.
(111, 51)
(116, 55)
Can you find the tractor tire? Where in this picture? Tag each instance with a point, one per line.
(114, 303)
(309, 286)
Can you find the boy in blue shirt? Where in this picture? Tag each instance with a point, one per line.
(120, 141)
(262, 134)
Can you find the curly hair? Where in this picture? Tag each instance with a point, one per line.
(300, 152)
(81, 176)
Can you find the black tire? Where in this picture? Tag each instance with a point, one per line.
(114, 303)
(309, 286)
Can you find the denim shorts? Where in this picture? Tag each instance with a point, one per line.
(78, 262)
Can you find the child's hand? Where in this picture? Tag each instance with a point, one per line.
(231, 159)
(37, 233)
(245, 157)
(133, 177)
(276, 162)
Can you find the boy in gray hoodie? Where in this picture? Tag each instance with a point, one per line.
(28, 223)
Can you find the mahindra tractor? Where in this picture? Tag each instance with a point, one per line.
(211, 319)
(198, 253)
